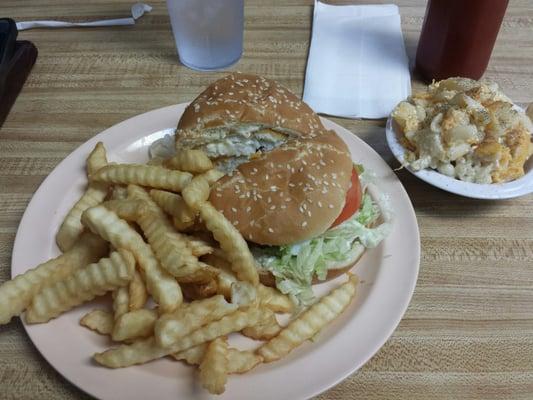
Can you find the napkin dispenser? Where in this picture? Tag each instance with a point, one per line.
(16, 61)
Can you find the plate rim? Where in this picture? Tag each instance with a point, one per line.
(409, 290)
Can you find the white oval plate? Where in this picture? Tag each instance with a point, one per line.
(388, 274)
(493, 191)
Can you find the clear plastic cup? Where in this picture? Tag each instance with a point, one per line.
(208, 33)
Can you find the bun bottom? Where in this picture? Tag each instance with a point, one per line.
(268, 279)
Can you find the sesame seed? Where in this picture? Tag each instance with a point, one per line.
(292, 184)
(283, 206)
(259, 196)
(235, 223)
(304, 224)
(248, 209)
(218, 195)
(330, 205)
(309, 213)
(269, 199)
(271, 230)
(320, 204)
(273, 207)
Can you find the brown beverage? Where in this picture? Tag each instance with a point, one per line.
(458, 37)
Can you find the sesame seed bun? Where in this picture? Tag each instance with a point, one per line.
(239, 99)
(288, 194)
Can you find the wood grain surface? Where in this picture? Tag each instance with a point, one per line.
(468, 332)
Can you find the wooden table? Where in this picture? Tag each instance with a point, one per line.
(468, 333)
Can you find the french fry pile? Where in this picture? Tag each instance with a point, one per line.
(135, 232)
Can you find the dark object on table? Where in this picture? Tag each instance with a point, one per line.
(16, 61)
(458, 37)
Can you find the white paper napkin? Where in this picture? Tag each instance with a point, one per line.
(137, 11)
(357, 65)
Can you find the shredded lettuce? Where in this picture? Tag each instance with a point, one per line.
(294, 266)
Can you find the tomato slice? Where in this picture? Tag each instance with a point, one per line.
(353, 200)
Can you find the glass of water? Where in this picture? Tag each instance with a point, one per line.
(208, 33)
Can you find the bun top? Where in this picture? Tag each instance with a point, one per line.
(243, 99)
(287, 195)
(282, 194)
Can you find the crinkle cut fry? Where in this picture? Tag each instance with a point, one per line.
(239, 361)
(186, 319)
(121, 301)
(310, 322)
(127, 209)
(161, 285)
(99, 321)
(172, 252)
(190, 160)
(16, 294)
(231, 241)
(269, 297)
(266, 329)
(214, 366)
(85, 284)
(239, 255)
(275, 300)
(198, 246)
(173, 204)
(138, 295)
(71, 227)
(145, 175)
(147, 350)
(97, 158)
(134, 324)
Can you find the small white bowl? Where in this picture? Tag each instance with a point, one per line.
(493, 191)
